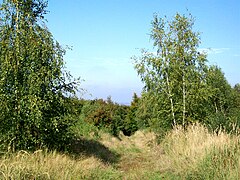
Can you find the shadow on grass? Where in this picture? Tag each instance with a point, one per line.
(94, 148)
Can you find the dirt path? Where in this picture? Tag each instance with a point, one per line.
(139, 153)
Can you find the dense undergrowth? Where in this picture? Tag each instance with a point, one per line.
(191, 153)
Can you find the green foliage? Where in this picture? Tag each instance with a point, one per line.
(150, 113)
(130, 122)
(119, 117)
(109, 116)
(101, 115)
(221, 90)
(35, 112)
(234, 112)
(174, 77)
(221, 107)
(104, 114)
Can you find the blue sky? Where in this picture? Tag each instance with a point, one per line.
(105, 34)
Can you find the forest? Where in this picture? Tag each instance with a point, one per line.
(184, 125)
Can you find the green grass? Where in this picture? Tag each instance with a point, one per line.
(193, 153)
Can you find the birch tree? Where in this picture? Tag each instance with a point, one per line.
(175, 73)
(32, 79)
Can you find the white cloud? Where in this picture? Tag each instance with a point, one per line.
(213, 50)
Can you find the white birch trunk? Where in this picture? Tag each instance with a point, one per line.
(184, 100)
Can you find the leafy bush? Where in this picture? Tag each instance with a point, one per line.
(104, 115)
(110, 116)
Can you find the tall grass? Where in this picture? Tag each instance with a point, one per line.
(191, 153)
(50, 165)
(220, 163)
(195, 152)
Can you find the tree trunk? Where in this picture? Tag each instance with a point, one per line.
(170, 98)
(184, 100)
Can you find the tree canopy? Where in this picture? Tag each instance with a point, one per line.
(33, 82)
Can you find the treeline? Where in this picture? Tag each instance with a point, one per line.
(220, 111)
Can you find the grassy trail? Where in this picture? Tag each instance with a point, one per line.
(183, 154)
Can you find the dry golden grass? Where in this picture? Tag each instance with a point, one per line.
(182, 152)
(185, 148)
(46, 165)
